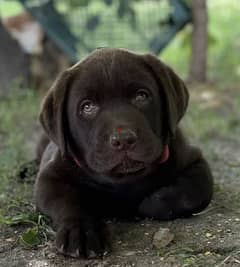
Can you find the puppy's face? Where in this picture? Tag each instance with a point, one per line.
(114, 115)
(114, 112)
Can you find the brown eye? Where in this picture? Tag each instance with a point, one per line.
(142, 95)
(88, 107)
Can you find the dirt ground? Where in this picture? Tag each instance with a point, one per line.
(211, 238)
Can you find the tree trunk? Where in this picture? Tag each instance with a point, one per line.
(14, 63)
(198, 68)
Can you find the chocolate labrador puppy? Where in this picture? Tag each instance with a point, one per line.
(114, 149)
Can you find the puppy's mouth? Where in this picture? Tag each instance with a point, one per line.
(128, 167)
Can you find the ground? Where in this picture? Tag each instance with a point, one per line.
(211, 238)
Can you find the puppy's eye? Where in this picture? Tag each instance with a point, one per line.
(88, 108)
(142, 95)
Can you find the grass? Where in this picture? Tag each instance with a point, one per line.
(18, 116)
(204, 124)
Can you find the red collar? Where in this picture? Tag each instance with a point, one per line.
(163, 159)
(77, 162)
(165, 155)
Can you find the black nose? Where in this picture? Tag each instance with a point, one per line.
(123, 139)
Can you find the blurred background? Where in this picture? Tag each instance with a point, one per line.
(199, 39)
(41, 38)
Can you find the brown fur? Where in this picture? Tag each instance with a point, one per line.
(119, 144)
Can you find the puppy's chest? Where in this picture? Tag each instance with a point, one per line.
(122, 201)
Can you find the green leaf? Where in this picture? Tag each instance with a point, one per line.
(6, 221)
(30, 218)
(30, 238)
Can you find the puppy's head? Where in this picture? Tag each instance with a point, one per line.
(114, 112)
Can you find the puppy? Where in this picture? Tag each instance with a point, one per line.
(113, 148)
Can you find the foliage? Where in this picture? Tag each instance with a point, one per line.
(20, 108)
(38, 229)
(17, 114)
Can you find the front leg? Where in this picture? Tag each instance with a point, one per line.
(191, 192)
(79, 231)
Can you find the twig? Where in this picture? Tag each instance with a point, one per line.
(224, 261)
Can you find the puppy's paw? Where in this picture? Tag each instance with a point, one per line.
(167, 204)
(84, 238)
(162, 205)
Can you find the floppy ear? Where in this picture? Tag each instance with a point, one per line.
(52, 116)
(172, 88)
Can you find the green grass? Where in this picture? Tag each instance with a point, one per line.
(18, 115)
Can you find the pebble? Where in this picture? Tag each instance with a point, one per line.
(208, 234)
(129, 253)
(37, 263)
(162, 238)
